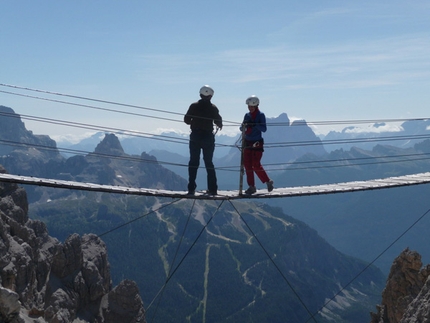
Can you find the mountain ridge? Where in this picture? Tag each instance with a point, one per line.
(225, 255)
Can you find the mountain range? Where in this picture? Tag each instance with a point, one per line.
(171, 149)
(362, 225)
(403, 135)
(195, 260)
(287, 141)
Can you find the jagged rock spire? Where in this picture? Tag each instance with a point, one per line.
(110, 145)
(43, 280)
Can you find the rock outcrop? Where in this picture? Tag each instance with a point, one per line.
(43, 280)
(22, 152)
(406, 297)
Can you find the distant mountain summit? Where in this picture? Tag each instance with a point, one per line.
(110, 145)
(284, 141)
(287, 141)
(14, 135)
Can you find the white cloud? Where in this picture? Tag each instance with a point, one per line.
(375, 128)
(357, 64)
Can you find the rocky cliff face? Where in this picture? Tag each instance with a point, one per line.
(13, 133)
(43, 280)
(406, 297)
(22, 152)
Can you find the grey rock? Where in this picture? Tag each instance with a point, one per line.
(9, 304)
(43, 280)
(118, 306)
(406, 297)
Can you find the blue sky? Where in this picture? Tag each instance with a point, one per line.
(314, 60)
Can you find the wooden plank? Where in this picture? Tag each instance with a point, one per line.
(406, 180)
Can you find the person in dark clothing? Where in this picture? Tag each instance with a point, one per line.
(201, 116)
(255, 123)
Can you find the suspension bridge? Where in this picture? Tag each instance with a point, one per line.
(354, 186)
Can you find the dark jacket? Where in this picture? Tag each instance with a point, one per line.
(201, 115)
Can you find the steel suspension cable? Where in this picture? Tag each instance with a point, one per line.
(99, 101)
(160, 293)
(138, 218)
(129, 222)
(296, 123)
(188, 251)
(320, 163)
(374, 260)
(273, 262)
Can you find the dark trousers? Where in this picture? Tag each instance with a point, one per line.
(202, 141)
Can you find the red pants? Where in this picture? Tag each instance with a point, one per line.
(251, 162)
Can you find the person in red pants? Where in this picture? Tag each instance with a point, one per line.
(255, 124)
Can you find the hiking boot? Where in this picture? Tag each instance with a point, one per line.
(209, 192)
(251, 190)
(191, 189)
(269, 185)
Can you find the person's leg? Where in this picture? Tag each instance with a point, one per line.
(258, 168)
(247, 163)
(208, 152)
(194, 162)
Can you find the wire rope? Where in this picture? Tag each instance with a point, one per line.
(289, 166)
(159, 295)
(374, 260)
(295, 123)
(129, 222)
(273, 262)
(92, 107)
(185, 140)
(138, 218)
(187, 252)
(119, 131)
(226, 122)
(268, 145)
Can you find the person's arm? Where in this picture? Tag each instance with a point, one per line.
(261, 124)
(188, 116)
(218, 119)
(244, 122)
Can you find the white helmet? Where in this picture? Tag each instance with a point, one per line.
(206, 90)
(252, 101)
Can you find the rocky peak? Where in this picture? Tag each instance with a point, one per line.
(22, 152)
(13, 131)
(11, 125)
(43, 280)
(110, 145)
(407, 291)
(290, 132)
(283, 118)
